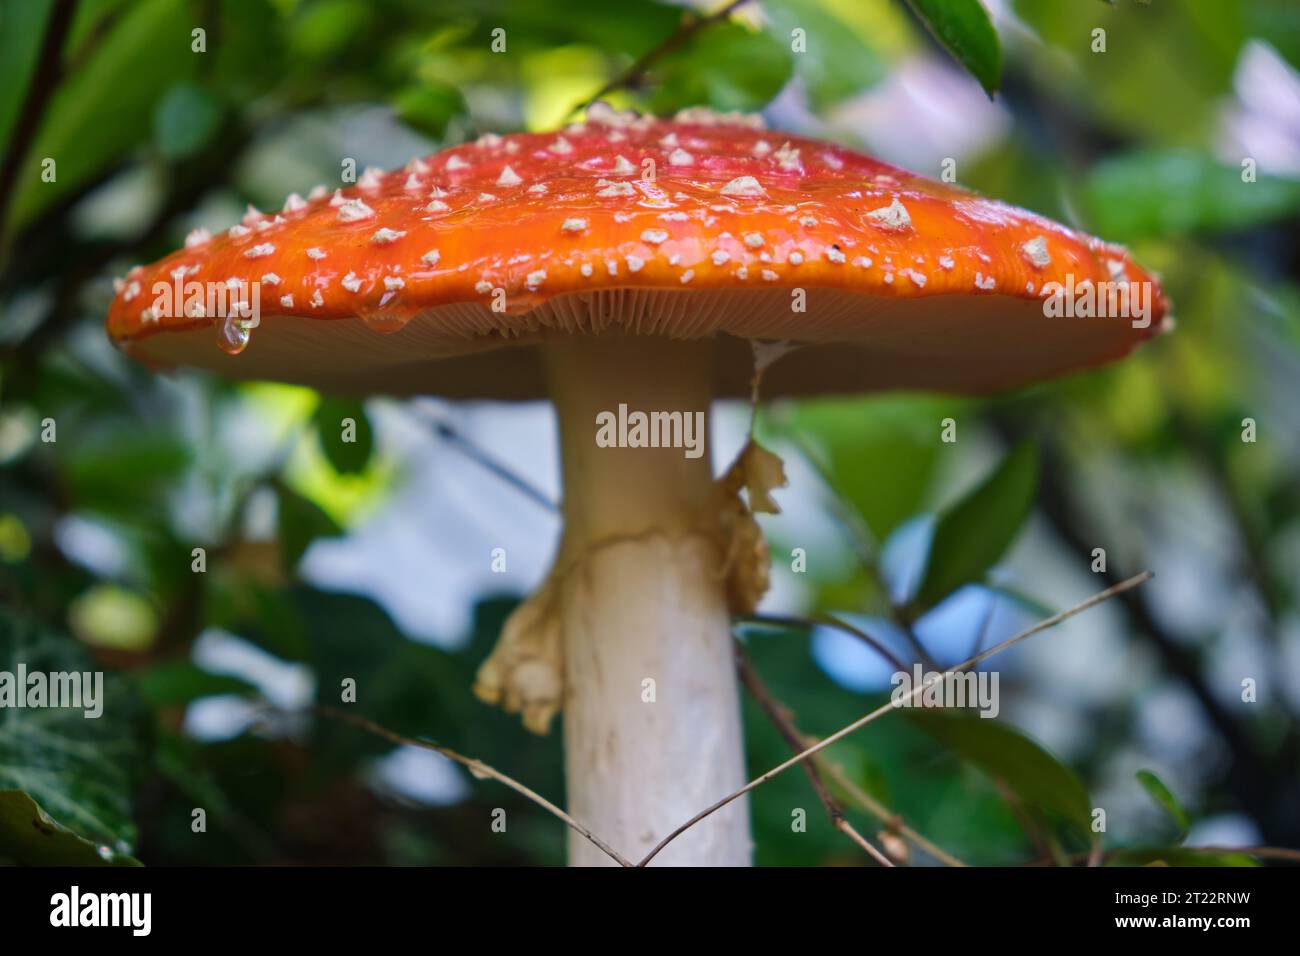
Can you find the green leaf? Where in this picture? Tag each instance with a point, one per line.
(185, 120)
(22, 25)
(252, 51)
(1043, 784)
(1166, 800)
(124, 470)
(429, 107)
(1176, 192)
(836, 64)
(180, 682)
(728, 67)
(72, 773)
(877, 454)
(301, 522)
(345, 434)
(29, 837)
(973, 534)
(965, 30)
(106, 107)
(1177, 856)
(415, 688)
(262, 613)
(323, 30)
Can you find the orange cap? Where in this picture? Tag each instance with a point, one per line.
(702, 225)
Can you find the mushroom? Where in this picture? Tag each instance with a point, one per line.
(625, 268)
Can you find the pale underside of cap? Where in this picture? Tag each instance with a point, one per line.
(848, 342)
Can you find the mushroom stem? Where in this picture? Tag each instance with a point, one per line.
(651, 707)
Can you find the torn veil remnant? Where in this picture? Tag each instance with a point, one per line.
(630, 261)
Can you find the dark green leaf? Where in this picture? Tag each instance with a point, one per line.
(415, 689)
(252, 49)
(180, 682)
(836, 64)
(965, 30)
(1042, 783)
(107, 106)
(22, 26)
(74, 769)
(345, 433)
(877, 454)
(1180, 191)
(429, 107)
(973, 534)
(124, 470)
(1165, 799)
(321, 30)
(1177, 856)
(29, 837)
(727, 67)
(263, 613)
(300, 523)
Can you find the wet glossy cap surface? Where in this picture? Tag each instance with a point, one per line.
(413, 281)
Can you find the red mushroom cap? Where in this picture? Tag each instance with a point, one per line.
(690, 227)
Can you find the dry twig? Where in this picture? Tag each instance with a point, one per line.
(882, 813)
(827, 620)
(1052, 621)
(479, 769)
(779, 714)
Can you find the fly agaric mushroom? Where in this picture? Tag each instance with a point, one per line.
(626, 265)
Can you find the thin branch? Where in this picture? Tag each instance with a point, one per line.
(830, 620)
(783, 720)
(882, 813)
(909, 632)
(827, 620)
(44, 81)
(848, 830)
(691, 24)
(449, 433)
(479, 769)
(1126, 585)
(982, 634)
(780, 717)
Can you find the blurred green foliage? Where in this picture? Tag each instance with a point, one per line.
(1128, 143)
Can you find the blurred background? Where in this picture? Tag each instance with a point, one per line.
(1175, 130)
